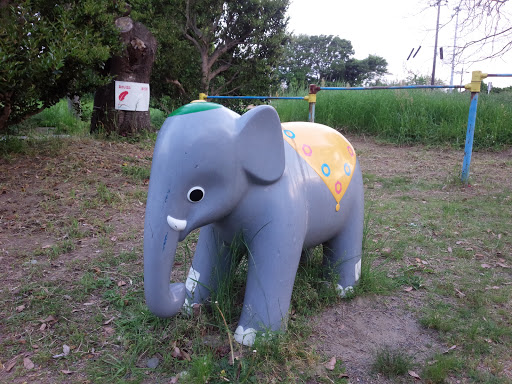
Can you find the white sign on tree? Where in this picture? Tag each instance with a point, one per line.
(131, 96)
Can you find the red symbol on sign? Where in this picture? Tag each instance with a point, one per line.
(122, 95)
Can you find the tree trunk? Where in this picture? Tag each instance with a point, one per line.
(5, 112)
(75, 106)
(134, 66)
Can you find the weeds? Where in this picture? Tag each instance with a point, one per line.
(408, 277)
(201, 369)
(136, 172)
(61, 248)
(408, 117)
(11, 145)
(392, 362)
(56, 120)
(106, 196)
(229, 293)
(440, 249)
(49, 146)
(440, 367)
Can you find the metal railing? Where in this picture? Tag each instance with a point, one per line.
(474, 87)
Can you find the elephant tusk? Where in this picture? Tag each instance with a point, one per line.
(176, 224)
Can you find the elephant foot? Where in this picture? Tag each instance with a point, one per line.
(344, 292)
(245, 336)
(188, 307)
(345, 286)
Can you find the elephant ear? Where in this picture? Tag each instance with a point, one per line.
(260, 144)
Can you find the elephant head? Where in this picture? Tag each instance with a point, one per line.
(205, 159)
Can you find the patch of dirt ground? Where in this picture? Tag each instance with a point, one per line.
(43, 196)
(353, 332)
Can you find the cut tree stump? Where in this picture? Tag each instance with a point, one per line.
(134, 65)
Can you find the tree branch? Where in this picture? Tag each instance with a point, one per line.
(483, 39)
(485, 26)
(222, 49)
(194, 41)
(232, 90)
(177, 84)
(226, 83)
(222, 68)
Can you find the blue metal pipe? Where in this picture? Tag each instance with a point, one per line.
(468, 149)
(390, 87)
(257, 97)
(499, 75)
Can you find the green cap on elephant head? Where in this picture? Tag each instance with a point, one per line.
(195, 106)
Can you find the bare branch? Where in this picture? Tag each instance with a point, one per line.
(222, 49)
(177, 84)
(226, 83)
(231, 91)
(484, 27)
(219, 70)
(194, 41)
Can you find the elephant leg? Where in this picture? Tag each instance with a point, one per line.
(342, 258)
(342, 254)
(272, 268)
(211, 262)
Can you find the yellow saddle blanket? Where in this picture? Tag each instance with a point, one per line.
(327, 151)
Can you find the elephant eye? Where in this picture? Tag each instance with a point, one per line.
(195, 194)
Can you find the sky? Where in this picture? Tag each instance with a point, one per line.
(391, 29)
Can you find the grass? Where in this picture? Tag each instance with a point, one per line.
(428, 242)
(98, 306)
(138, 173)
(145, 336)
(11, 146)
(59, 120)
(392, 362)
(466, 303)
(441, 367)
(408, 117)
(403, 117)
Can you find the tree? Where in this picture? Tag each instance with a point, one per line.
(483, 28)
(133, 65)
(312, 58)
(236, 40)
(364, 71)
(176, 74)
(492, 19)
(328, 58)
(228, 47)
(50, 49)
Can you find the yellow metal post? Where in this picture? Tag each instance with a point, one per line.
(476, 81)
(311, 99)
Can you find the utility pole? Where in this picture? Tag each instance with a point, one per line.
(454, 46)
(435, 45)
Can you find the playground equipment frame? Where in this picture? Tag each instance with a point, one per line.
(474, 87)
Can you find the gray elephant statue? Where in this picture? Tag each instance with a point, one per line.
(284, 187)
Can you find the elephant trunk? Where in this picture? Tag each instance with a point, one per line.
(160, 242)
